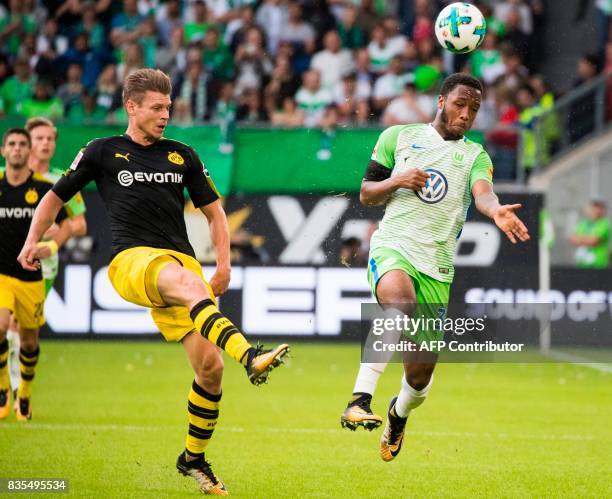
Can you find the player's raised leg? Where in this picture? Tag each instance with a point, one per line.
(203, 412)
(385, 265)
(394, 288)
(430, 300)
(5, 317)
(179, 286)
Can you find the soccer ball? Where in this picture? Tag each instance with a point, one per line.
(460, 27)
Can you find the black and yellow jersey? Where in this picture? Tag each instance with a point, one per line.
(17, 205)
(142, 188)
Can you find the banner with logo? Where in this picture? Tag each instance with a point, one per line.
(299, 267)
(323, 230)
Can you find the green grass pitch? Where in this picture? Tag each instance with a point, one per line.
(110, 417)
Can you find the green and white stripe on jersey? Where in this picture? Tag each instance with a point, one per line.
(424, 226)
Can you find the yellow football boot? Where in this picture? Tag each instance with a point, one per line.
(261, 362)
(358, 413)
(203, 474)
(393, 435)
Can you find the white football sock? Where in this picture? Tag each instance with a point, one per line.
(367, 378)
(409, 398)
(369, 372)
(13, 358)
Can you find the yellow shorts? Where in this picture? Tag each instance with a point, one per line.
(25, 300)
(134, 272)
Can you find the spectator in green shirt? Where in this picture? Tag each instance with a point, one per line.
(86, 110)
(14, 25)
(592, 238)
(17, 88)
(90, 25)
(42, 103)
(195, 30)
(217, 58)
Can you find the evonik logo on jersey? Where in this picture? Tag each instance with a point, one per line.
(127, 178)
(16, 212)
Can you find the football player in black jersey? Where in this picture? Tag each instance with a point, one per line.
(141, 177)
(22, 293)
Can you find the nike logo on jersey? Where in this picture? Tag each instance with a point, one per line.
(417, 147)
(124, 156)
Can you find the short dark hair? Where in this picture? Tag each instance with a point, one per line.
(18, 131)
(528, 89)
(457, 79)
(592, 59)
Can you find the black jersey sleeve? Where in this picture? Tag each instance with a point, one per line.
(85, 168)
(61, 216)
(200, 186)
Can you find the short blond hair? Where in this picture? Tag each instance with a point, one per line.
(137, 83)
(37, 121)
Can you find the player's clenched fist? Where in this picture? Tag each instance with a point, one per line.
(220, 281)
(29, 258)
(414, 179)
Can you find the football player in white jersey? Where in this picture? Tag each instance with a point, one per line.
(426, 175)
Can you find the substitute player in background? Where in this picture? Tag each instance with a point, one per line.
(43, 135)
(22, 293)
(426, 174)
(141, 177)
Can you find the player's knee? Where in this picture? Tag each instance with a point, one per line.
(191, 285)
(29, 345)
(419, 378)
(210, 371)
(397, 296)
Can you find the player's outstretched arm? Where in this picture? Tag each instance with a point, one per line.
(487, 203)
(44, 216)
(219, 233)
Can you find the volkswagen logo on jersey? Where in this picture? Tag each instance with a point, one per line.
(435, 189)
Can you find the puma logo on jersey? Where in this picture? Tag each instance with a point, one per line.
(124, 156)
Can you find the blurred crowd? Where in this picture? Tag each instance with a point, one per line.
(312, 63)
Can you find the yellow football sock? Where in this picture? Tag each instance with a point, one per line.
(5, 383)
(27, 363)
(203, 411)
(217, 328)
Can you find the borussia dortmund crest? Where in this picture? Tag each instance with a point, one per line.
(31, 196)
(176, 158)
